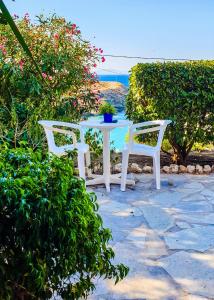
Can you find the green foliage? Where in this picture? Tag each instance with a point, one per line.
(51, 237)
(107, 108)
(7, 19)
(65, 90)
(181, 92)
(94, 138)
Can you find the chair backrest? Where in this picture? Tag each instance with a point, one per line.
(50, 128)
(157, 125)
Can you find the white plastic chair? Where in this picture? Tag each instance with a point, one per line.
(82, 148)
(142, 149)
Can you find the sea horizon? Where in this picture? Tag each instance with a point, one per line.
(122, 78)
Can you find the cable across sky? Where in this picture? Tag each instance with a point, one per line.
(147, 58)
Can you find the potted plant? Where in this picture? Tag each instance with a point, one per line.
(107, 110)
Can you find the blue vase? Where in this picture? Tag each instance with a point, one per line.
(108, 118)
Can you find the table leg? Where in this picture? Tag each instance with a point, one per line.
(107, 178)
(106, 159)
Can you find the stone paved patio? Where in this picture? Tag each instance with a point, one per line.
(166, 238)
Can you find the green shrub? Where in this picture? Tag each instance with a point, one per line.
(107, 108)
(51, 238)
(66, 90)
(182, 92)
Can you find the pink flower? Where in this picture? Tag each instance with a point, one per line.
(74, 26)
(44, 75)
(27, 17)
(94, 65)
(74, 103)
(50, 77)
(103, 59)
(21, 64)
(56, 36)
(101, 51)
(86, 69)
(3, 50)
(16, 16)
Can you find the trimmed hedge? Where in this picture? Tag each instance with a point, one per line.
(182, 92)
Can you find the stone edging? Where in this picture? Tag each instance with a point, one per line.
(172, 169)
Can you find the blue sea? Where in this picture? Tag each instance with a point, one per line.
(122, 78)
(118, 135)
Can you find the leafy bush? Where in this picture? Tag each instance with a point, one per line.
(94, 138)
(66, 90)
(51, 238)
(107, 108)
(181, 92)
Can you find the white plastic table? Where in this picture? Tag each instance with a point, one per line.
(107, 178)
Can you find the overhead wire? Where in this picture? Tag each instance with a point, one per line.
(147, 58)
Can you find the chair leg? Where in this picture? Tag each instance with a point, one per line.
(81, 164)
(88, 163)
(154, 171)
(125, 159)
(157, 169)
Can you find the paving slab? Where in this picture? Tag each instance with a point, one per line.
(197, 218)
(165, 236)
(142, 282)
(194, 206)
(119, 209)
(208, 193)
(166, 199)
(183, 225)
(194, 272)
(200, 238)
(157, 218)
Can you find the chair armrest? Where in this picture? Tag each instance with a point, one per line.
(63, 131)
(150, 123)
(153, 129)
(50, 124)
(46, 123)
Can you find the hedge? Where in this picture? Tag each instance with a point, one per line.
(180, 91)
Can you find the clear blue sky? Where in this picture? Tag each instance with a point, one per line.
(149, 28)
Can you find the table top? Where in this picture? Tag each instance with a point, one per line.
(101, 125)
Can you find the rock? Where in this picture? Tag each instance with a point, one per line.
(96, 168)
(113, 92)
(199, 169)
(166, 169)
(190, 169)
(147, 169)
(134, 168)
(170, 182)
(174, 168)
(182, 169)
(207, 169)
(118, 168)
